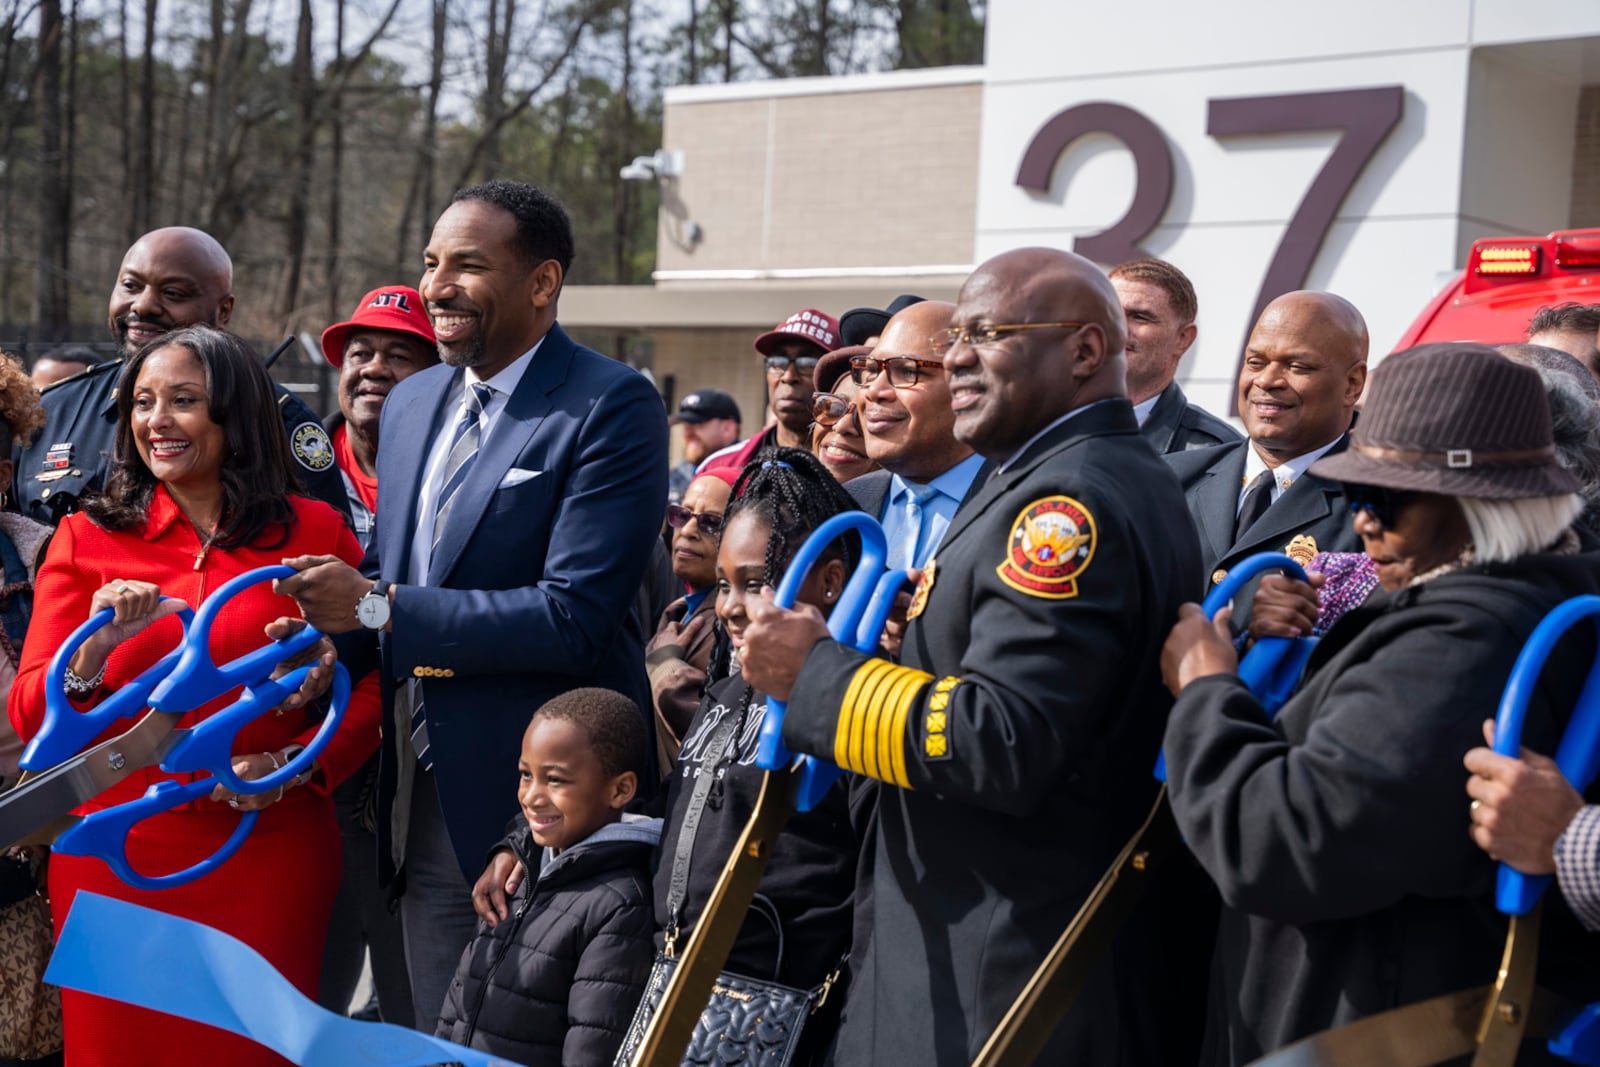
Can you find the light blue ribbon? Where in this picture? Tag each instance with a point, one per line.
(153, 960)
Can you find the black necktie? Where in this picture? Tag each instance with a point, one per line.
(1257, 499)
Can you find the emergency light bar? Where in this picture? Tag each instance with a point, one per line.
(1497, 261)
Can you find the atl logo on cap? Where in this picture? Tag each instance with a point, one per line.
(394, 300)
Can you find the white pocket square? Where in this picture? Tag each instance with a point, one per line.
(518, 475)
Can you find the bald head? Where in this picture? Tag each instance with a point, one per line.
(909, 429)
(170, 278)
(1304, 368)
(1008, 389)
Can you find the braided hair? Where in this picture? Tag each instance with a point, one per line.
(792, 492)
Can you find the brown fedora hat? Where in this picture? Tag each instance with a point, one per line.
(1456, 419)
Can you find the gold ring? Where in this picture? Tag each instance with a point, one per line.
(122, 590)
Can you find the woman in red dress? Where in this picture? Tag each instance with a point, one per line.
(199, 494)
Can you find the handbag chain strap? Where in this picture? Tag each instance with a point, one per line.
(712, 754)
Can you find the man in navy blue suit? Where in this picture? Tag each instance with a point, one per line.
(524, 480)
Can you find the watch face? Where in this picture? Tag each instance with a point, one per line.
(373, 611)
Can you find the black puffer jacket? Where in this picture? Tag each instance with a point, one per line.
(557, 982)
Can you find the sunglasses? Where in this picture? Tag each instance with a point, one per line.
(779, 365)
(903, 371)
(1381, 503)
(710, 522)
(829, 408)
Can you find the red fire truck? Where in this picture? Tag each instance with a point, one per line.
(1507, 279)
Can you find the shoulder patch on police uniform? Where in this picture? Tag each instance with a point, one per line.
(919, 599)
(311, 446)
(1050, 546)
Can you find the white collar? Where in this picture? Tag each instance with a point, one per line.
(1285, 473)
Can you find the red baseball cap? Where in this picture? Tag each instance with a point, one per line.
(393, 307)
(808, 324)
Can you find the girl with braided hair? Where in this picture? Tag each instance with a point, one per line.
(798, 930)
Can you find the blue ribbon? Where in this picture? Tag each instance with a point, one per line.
(153, 960)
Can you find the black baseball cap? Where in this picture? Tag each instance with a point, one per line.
(858, 324)
(705, 404)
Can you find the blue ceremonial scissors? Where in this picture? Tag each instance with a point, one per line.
(857, 621)
(1490, 1022)
(1516, 894)
(182, 680)
(1273, 666)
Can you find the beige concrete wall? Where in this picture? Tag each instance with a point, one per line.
(881, 177)
(712, 359)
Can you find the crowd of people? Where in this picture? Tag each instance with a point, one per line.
(550, 747)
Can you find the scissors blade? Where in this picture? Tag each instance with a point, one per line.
(1039, 1008)
(1506, 1015)
(44, 799)
(708, 946)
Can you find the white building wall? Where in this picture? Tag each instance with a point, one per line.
(1483, 145)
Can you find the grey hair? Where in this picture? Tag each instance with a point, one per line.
(1504, 530)
(1574, 419)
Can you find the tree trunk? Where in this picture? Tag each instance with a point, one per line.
(336, 166)
(144, 176)
(623, 194)
(50, 278)
(419, 199)
(303, 84)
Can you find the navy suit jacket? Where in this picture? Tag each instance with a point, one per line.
(529, 589)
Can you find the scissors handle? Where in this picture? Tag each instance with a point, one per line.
(196, 679)
(105, 834)
(67, 730)
(209, 745)
(1272, 667)
(771, 753)
(1578, 755)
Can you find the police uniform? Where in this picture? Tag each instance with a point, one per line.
(72, 454)
(1020, 730)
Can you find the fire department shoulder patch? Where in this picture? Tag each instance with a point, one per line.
(1051, 544)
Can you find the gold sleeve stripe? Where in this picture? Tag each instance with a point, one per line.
(863, 678)
(863, 742)
(870, 737)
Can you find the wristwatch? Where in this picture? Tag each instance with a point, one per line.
(373, 609)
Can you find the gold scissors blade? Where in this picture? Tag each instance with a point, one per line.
(708, 946)
(1038, 1009)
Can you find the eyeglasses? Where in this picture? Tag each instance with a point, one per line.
(779, 365)
(830, 408)
(987, 333)
(904, 371)
(1381, 503)
(710, 522)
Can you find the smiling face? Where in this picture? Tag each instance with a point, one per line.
(909, 430)
(694, 552)
(172, 426)
(1157, 336)
(170, 278)
(1005, 391)
(565, 793)
(1426, 530)
(741, 574)
(840, 447)
(375, 361)
(1304, 367)
(487, 303)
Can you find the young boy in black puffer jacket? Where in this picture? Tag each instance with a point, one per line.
(557, 981)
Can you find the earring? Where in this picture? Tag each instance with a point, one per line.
(829, 594)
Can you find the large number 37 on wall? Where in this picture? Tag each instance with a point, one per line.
(1364, 117)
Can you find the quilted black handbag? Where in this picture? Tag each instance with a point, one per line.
(749, 1022)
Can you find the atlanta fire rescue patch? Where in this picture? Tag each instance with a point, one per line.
(311, 446)
(1051, 544)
